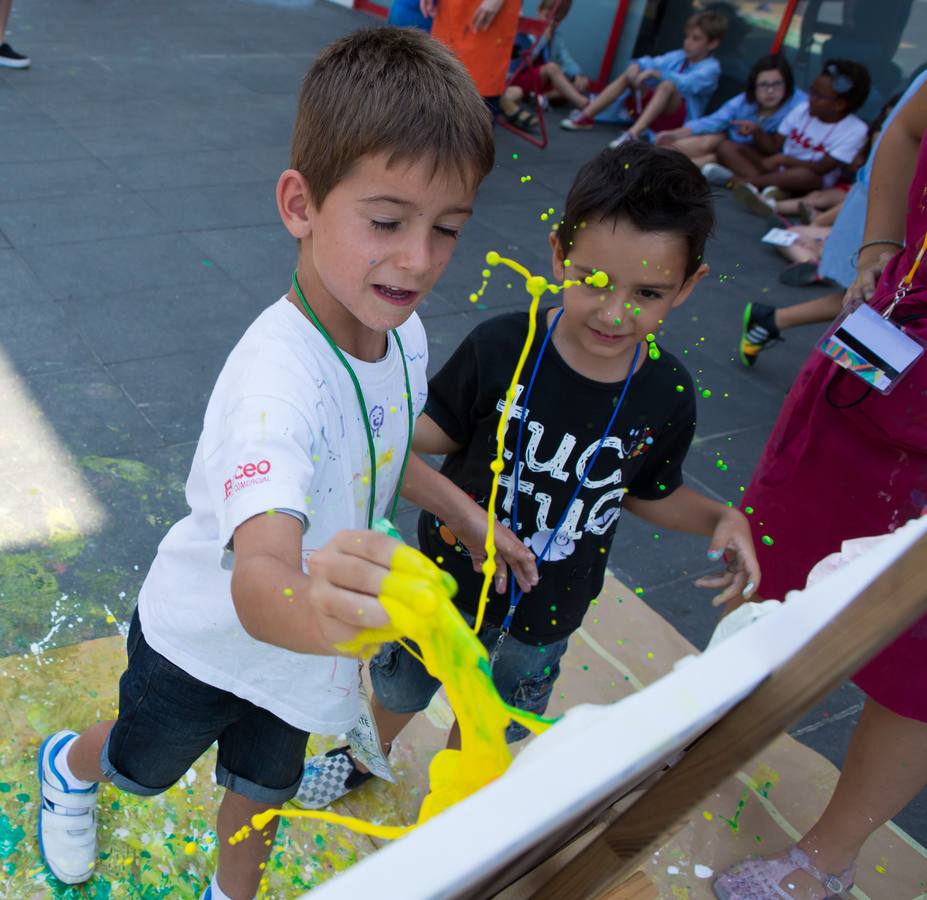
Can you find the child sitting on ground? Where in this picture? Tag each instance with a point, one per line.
(667, 89)
(235, 640)
(550, 70)
(592, 382)
(768, 97)
(814, 141)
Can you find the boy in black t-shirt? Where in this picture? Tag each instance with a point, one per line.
(601, 419)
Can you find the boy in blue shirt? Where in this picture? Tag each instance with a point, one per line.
(600, 425)
(667, 90)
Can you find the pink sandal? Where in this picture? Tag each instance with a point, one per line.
(759, 879)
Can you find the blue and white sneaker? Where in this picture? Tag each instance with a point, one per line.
(67, 817)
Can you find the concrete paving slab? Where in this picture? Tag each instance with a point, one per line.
(91, 414)
(172, 391)
(206, 207)
(114, 264)
(18, 283)
(41, 221)
(162, 321)
(26, 344)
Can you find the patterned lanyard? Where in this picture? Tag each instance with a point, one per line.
(905, 284)
(363, 407)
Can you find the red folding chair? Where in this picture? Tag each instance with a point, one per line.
(535, 28)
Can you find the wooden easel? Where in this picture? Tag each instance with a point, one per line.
(594, 860)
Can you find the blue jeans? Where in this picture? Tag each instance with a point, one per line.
(168, 719)
(524, 675)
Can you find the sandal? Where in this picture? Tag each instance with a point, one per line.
(522, 118)
(759, 879)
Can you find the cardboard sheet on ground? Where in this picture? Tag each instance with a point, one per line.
(166, 845)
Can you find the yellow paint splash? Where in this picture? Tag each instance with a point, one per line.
(416, 595)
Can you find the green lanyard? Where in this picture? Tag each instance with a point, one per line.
(363, 407)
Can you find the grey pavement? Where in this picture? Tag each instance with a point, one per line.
(138, 238)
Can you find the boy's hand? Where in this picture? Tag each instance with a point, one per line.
(428, 8)
(344, 583)
(732, 539)
(510, 551)
(581, 83)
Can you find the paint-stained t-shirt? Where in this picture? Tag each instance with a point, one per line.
(565, 419)
(282, 431)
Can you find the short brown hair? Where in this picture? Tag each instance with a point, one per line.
(562, 8)
(388, 90)
(712, 24)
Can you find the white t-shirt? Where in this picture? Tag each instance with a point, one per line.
(808, 138)
(282, 430)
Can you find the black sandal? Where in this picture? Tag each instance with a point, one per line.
(522, 118)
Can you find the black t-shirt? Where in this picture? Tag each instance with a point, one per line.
(566, 418)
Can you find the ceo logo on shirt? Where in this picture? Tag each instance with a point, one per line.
(246, 475)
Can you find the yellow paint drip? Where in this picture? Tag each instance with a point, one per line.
(416, 595)
(536, 286)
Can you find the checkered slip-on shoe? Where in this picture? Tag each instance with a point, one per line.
(327, 778)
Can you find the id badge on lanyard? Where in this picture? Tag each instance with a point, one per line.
(870, 345)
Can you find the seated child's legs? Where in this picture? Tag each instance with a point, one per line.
(697, 146)
(742, 159)
(664, 110)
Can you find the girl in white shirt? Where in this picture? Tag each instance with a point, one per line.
(813, 141)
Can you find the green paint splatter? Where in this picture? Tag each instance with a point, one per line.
(9, 837)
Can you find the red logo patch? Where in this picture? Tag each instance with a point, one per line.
(247, 474)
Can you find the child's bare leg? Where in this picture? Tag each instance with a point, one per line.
(699, 147)
(826, 198)
(611, 93)
(790, 207)
(811, 312)
(665, 99)
(797, 180)
(801, 251)
(240, 872)
(554, 74)
(84, 752)
(742, 159)
(510, 99)
(828, 217)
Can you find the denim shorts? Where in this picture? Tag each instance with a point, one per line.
(524, 675)
(168, 719)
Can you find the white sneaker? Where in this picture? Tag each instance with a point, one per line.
(716, 174)
(621, 139)
(749, 197)
(67, 817)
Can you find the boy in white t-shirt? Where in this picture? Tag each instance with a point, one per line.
(814, 141)
(306, 434)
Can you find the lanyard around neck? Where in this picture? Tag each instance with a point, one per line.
(515, 596)
(363, 407)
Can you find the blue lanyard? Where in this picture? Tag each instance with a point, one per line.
(516, 595)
